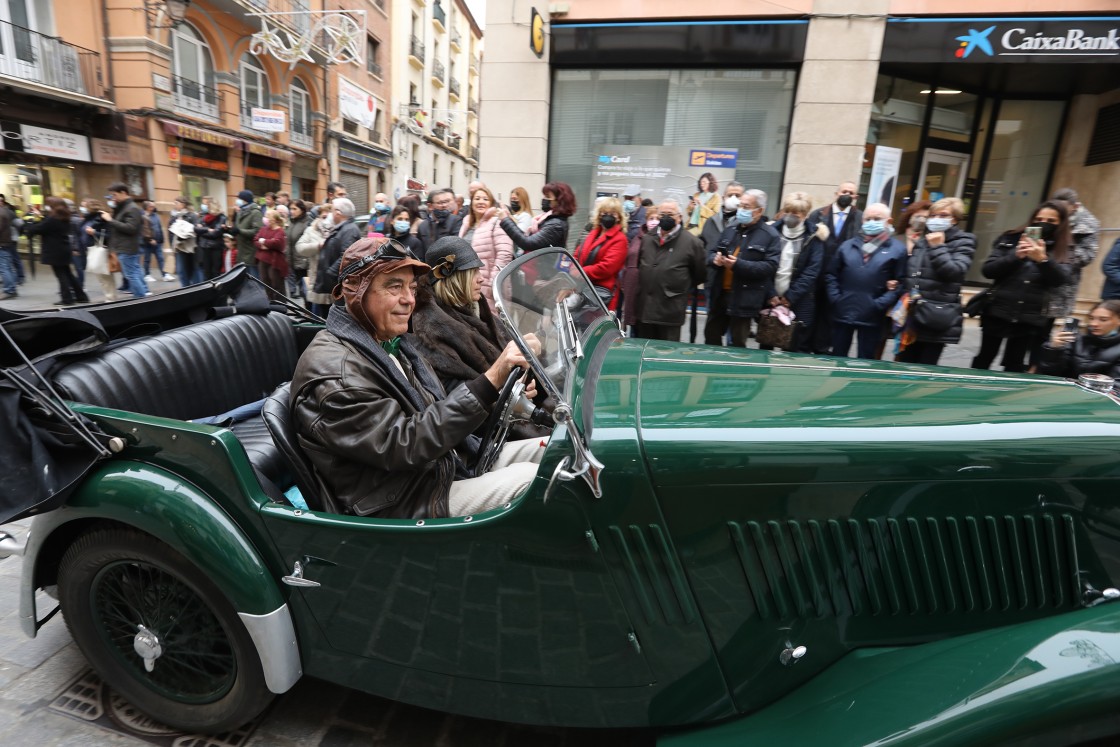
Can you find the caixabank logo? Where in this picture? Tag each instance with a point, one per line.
(1012, 40)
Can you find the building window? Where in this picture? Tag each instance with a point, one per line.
(192, 74)
(254, 88)
(301, 115)
(373, 63)
(375, 131)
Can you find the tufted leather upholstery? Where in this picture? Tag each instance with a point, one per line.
(194, 372)
(277, 416)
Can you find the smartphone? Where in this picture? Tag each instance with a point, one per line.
(1071, 325)
(1034, 233)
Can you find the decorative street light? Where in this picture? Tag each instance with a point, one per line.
(173, 10)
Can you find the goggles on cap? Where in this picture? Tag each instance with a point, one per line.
(391, 249)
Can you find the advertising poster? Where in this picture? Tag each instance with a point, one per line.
(884, 175)
(660, 171)
(355, 104)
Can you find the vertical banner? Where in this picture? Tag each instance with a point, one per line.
(884, 175)
(659, 172)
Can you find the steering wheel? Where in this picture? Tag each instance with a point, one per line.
(496, 429)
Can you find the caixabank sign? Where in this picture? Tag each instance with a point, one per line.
(1002, 40)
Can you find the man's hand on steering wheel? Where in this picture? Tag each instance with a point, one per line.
(510, 358)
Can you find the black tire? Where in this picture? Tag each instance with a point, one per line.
(208, 678)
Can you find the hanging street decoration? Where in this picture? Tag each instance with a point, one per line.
(338, 34)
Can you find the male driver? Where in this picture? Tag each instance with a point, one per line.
(441, 221)
(372, 416)
(843, 219)
(864, 283)
(124, 225)
(742, 266)
(670, 266)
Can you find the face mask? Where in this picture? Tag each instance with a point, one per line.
(844, 201)
(1048, 230)
(937, 225)
(731, 204)
(381, 207)
(112, 203)
(204, 209)
(607, 221)
(440, 214)
(791, 221)
(328, 220)
(83, 210)
(175, 213)
(667, 223)
(401, 226)
(651, 223)
(745, 216)
(515, 207)
(629, 206)
(873, 227)
(546, 204)
(239, 202)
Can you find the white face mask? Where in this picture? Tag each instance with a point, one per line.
(731, 204)
(328, 220)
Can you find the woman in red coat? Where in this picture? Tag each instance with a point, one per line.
(271, 243)
(603, 253)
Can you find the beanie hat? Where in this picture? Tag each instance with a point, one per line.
(245, 195)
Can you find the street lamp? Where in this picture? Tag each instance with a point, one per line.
(174, 10)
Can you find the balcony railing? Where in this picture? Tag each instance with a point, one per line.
(31, 56)
(475, 64)
(472, 107)
(439, 14)
(456, 38)
(301, 21)
(439, 131)
(373, 68)
(439, 72)
(474, 153)
(416, 48)
(454, 141)
(302, 135)
(453, 86)
(191, 97)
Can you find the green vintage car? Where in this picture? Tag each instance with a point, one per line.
(731, 546)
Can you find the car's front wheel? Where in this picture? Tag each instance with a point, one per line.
(159, 632)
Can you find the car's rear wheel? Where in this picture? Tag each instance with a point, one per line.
(159, 632)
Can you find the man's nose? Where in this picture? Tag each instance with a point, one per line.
(408, 296)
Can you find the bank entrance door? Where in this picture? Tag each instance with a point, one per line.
(942, 174)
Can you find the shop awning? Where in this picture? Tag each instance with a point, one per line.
(212, 137)
(259, 149)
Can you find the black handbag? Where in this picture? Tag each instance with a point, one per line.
(936, 316)
(979, 303)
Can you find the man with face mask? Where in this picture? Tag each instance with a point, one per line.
(843, 220)
(864, 281)
(670, 266)
(714, 226)
(442, 219)
(741, 266)
(635, 211)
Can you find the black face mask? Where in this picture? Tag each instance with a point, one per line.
(667, 223)
(546, 204)
(515, 207)
(440, 214)
(608, 221)
(844, 201)
(1048, 230)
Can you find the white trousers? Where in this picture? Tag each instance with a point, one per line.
(513, 470)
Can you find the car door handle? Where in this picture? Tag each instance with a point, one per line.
(296, 578)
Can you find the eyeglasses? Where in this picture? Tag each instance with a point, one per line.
(391, 249)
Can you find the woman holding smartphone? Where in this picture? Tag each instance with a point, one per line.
(1025, 264)
(1097, 351)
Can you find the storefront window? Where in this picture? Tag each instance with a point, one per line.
(744, 109)
(897, 115)
(1025, 137)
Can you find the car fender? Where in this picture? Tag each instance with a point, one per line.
(163, 505)
(1050, 676)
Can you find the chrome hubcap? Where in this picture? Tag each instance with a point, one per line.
(146, 645)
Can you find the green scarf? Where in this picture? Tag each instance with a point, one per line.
(392, 346)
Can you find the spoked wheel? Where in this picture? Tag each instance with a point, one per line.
(160, 633)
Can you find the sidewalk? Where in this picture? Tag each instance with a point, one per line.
(41, 291)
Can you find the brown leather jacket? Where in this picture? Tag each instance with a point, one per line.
(384, 443)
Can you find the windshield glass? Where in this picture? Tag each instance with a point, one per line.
(545, 293)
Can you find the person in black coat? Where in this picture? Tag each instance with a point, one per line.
(55, 232)
(1095, 352)
(800, 264)
(842, 219)
(934, 273)
(558, 204)
(442, 219)
(342, 236)
(741, 268)
(398, 226)
(1023, 269)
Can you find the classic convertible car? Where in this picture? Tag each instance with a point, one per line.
(732, 546)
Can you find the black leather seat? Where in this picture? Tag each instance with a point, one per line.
(194, 372)
(278, 417)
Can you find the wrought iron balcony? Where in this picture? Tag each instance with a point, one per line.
(453, 86)
(439, 72)
(192, 97)
(301, 134)
(416, 48)
(47, 60)
(439, 14)
(454, 141)
(373, 68)
(456, 39)
(474, 153)
(472, 107)
(300, 20)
